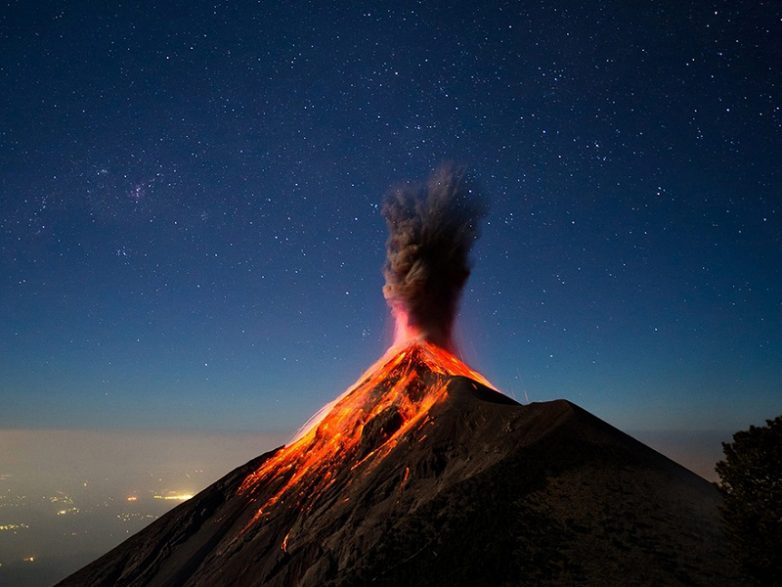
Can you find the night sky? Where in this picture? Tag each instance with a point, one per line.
(190, 227)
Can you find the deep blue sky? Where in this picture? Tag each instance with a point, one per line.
(189, 225)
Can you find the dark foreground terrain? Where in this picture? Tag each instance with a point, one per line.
(483, 492)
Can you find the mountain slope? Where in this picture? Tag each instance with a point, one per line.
(421, 474)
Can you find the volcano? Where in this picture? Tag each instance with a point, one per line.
(423, 474)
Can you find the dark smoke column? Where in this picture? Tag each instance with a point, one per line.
(432, 228)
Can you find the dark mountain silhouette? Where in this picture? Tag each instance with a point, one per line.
(421, 474)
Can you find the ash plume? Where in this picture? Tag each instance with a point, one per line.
(432, 227)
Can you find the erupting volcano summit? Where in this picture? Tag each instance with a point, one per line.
(423, 474)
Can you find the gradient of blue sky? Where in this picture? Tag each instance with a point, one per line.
(189, 226)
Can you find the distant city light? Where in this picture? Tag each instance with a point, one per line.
(10, 527)
(29, 559)
(132, 498)
(175, 496)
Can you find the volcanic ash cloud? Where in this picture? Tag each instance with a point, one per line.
(432, 227)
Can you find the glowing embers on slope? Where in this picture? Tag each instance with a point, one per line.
(359, 428)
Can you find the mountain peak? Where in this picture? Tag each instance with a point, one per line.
(421, 473)
(362, 426)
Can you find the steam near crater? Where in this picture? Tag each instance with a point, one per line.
(432, 227)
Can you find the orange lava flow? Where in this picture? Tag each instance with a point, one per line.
(357, 430)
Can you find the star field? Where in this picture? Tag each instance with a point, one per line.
(190, 233)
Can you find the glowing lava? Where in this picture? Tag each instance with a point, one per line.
(349, 436)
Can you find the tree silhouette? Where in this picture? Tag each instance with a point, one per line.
(751, 484)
